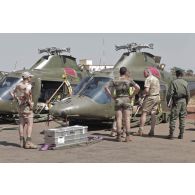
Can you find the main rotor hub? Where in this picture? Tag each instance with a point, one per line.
(134, 47)
(53, 50)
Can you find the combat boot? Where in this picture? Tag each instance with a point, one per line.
(139, 133)
(113, 134)
(30, 145)
(22, 142)
(180, 136)
(151, 133)
(181, 133)
(128, 137)
(170, 136)
(119, 137)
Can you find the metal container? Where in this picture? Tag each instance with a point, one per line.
(66, 135)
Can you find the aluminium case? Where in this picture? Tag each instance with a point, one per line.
(66, 135)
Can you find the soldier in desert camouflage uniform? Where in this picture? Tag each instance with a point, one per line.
(22, 93)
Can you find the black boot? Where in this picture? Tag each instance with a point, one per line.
(180, 136)
(170, 136)
(151, 133)
(181, 133)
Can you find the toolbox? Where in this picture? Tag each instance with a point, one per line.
(66, 136)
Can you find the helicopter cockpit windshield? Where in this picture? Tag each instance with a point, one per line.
(96, 91)
(6, 85)
(81, 85)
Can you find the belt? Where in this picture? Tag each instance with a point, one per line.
(155, 94)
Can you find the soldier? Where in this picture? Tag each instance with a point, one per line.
(131, 91)
(178, 97)
(22, 93)
(122, 99)
(151, 100)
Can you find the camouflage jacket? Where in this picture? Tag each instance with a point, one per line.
(121, 87)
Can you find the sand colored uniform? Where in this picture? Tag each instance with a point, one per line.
(23, 95)
(152, 100)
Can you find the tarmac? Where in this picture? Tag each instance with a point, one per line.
(144, 149)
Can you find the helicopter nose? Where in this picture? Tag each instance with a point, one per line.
(7, 106)
(61, 109)
(73, 106)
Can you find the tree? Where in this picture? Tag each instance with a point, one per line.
(189, 72)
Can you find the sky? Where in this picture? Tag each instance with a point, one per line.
(19, 50)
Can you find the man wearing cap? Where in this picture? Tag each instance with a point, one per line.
(151, 100)
(178, 97)
(22, 93)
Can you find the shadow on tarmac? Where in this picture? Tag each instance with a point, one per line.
(190, 129)
(4, 143)
(145, 136)
(8, 128)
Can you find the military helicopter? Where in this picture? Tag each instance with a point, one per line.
(90, 104)
(2, 74)
(49, 82)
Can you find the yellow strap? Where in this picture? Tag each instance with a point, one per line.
(159, 106)
(67, 83)
(131, 91)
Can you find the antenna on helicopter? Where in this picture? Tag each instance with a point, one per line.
(134, 47)
(54, 50)
(15, 65)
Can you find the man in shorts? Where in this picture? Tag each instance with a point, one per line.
(122, 98)
(151, 100)
(22, 93)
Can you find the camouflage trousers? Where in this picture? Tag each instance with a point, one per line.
(178, 110)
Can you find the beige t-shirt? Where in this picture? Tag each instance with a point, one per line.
(22, 93)
(153, 84)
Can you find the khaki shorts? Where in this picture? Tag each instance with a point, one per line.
(26, 118)
(123, 103)
(151, 103)
(28, 121)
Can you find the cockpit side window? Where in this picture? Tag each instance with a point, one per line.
(79, 87)
(95, 90)
(6, 86)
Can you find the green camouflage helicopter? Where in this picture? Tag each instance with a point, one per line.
(91, 105)
(2, 74)
(49, 83)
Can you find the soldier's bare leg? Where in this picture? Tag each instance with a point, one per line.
(173, 117)
(153, 123)
(127, 124)
(29, 144)
(142, 121)
(21, 132)
(119, 124)
(29, 126)
(127, 120)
